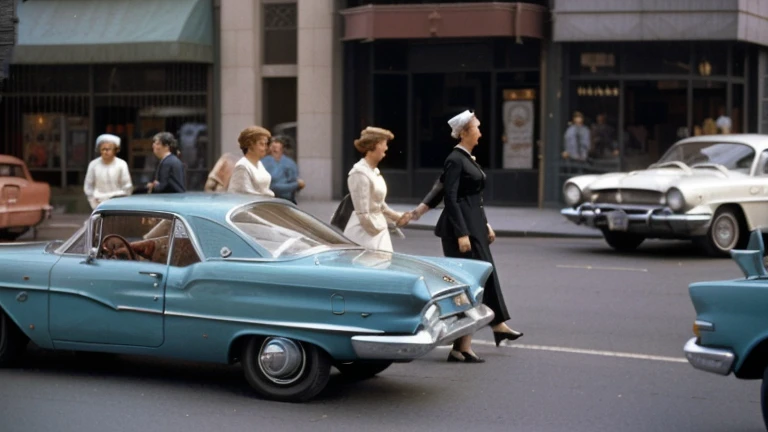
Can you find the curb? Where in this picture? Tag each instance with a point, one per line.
(519, 233)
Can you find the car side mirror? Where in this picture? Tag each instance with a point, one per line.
(91, 255)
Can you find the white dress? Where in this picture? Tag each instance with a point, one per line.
(250, 179)
(105, 181)
(367, 225)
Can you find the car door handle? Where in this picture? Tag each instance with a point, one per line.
(151, 274)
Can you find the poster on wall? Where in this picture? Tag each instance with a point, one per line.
(518, 111)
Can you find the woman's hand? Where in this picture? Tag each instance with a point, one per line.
(491, 234)
(464, 244)
(419, 211)
(404, 219)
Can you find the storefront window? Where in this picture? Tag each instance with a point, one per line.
(709, 103)
(673, 58)
(738, 60)
(509, 54)
(390, 56)
(711, 59)
(390, 111)
(437, 98)
(656, 118)
(737, 108)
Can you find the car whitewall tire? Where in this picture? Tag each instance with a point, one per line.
(284, 369)
(12, 341)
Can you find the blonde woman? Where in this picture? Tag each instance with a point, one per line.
(368, 224)
(249, 175)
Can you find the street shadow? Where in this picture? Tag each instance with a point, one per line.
(184, 375)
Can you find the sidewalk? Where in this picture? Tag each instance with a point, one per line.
(506, 221)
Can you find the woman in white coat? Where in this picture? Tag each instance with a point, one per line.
(368, 224)
(249, 175)
(107, 176)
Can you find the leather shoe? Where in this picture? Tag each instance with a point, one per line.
(510, 336)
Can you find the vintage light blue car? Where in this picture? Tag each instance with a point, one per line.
(731, 326)
(226, 278)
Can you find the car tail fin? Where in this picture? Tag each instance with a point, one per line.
(750, 260)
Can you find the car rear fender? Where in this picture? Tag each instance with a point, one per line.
(337, 345)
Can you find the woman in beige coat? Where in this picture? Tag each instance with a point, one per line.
(368, 224)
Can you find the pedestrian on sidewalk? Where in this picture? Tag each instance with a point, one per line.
(368, 224)
(169, 173)
(249, 175)
(107, 176)
(285, 174)
(463, 227)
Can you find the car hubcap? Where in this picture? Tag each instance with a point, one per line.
(725, 232)
(282, 360)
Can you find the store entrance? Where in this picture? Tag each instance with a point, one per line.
(656, 117)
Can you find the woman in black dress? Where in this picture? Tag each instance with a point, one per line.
(463, 227)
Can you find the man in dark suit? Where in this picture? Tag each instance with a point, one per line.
(169, 175)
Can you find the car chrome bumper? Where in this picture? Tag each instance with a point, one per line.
(717, 361)
(413, 346)
(642, 219)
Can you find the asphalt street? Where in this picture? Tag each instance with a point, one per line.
(602, 352)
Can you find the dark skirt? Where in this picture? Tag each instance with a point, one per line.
(493, 297)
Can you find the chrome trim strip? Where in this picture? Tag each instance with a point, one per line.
(718, 361)
(289, 324)
(704, 325)
(138, 309)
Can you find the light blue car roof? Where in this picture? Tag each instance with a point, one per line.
(210, 205)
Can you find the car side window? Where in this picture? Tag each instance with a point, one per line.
(134, 237)
(78, 247)
(183, 252)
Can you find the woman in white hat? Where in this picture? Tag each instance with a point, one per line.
(464, 228)
(107, 175)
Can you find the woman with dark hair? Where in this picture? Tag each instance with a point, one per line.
(464, 228)
(368, 224)
(169, 174)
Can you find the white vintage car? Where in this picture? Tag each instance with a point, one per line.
(710, 189)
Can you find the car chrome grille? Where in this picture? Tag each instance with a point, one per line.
(627, 196)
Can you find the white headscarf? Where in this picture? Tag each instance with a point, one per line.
(108, 138)
(459, 122)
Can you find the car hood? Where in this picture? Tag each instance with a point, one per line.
(440, 274)
(657, 179)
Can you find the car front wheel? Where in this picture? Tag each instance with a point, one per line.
(622, 241)
(362, 369)
(12, 341)
(284, 369)
(725, 233)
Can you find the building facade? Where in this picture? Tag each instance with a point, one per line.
(8, 22)
(643, 74)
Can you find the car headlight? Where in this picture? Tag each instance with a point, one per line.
(675, 199)
(572, 194)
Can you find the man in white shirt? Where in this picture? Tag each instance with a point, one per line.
(107, 175)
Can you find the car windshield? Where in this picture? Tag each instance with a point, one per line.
(12, 170)
(286, 231)
(732, 156)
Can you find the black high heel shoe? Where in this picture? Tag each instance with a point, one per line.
(510, 336)
(463, 357)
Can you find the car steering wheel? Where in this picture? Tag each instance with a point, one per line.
(111, 243)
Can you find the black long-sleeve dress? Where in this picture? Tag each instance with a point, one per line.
(461, 187)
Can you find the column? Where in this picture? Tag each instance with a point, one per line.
(240, 70)
(317, 105)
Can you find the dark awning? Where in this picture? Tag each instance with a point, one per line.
(416, 21)
(114, 31)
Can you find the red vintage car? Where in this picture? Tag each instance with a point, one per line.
(24, 203)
